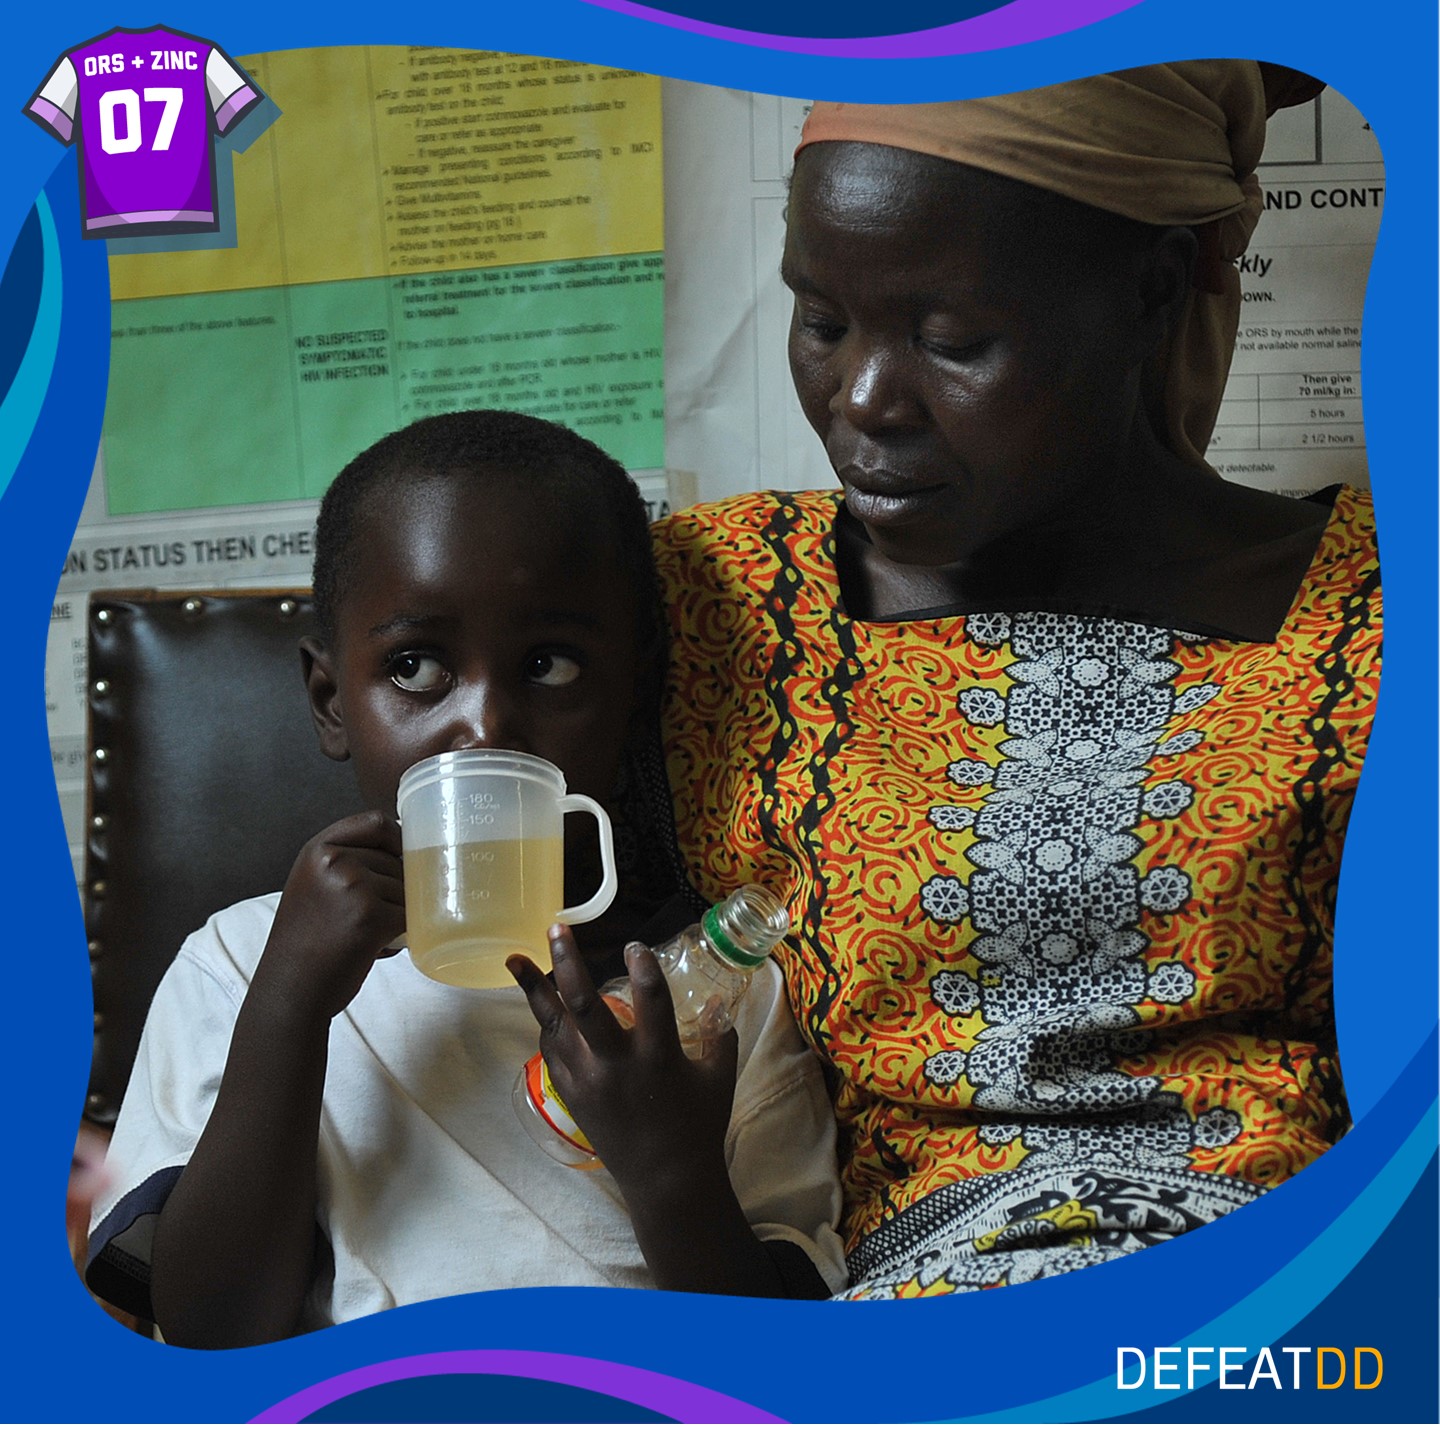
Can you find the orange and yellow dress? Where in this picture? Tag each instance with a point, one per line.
(1062, 886)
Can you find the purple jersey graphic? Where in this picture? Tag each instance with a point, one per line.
(146, 106)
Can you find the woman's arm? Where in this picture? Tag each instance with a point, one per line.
(234, 1250)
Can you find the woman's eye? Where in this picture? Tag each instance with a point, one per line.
(548, 667)
(418, 672)
(818, 324)
(950, 348)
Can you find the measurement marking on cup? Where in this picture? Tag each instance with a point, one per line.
(480, 883)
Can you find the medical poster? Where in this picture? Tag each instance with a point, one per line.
(497, 243)
(1314, 1305)
(503, 250)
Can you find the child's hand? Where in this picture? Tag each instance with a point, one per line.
(342, 905)
(656, 1118)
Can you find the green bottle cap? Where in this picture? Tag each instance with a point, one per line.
(749, 914)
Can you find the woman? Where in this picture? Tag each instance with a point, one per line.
(1047, 734)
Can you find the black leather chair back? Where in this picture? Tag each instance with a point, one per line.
(205, 779)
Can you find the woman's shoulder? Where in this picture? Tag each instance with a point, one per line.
(1336, 549)
(1298, 580)
(1239, 564)
(1341, 584)
(758, 511)
(737, 551)
(1352, 519)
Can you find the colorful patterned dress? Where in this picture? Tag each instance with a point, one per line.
(1062, 887)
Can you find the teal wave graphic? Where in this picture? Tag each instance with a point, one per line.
(22, 404)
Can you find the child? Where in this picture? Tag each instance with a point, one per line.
(312, 1133)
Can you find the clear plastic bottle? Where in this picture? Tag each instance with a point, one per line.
(707, 966)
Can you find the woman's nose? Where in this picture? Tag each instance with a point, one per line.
(874, 390)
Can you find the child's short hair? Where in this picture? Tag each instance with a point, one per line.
(480, 444)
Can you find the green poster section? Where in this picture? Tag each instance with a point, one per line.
(262, 395)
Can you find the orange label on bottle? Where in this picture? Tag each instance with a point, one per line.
(550, 1107)
(546, 1099)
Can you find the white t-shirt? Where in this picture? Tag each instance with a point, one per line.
(427, 1185)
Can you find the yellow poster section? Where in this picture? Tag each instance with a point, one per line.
(389, 161)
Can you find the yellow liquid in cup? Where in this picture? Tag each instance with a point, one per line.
(469, 907)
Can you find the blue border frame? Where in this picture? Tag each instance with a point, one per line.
(1314, 1262)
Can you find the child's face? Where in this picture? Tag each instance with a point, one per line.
(478, 617)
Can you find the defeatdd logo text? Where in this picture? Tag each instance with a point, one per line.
(1235, 1367)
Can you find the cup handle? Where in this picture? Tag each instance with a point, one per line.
(599, 902)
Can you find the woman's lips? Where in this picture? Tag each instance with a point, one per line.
(881, 496)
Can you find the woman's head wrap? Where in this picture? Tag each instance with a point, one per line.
(1163, 144)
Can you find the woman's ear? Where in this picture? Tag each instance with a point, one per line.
(318, 668)
(1166, 273)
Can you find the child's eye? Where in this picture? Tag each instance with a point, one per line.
(549, 667)
(413, 671)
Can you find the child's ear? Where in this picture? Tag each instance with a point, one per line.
(320, 684)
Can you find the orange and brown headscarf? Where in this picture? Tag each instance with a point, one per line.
(1163, 144)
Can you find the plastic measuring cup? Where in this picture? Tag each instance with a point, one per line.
(485, 862)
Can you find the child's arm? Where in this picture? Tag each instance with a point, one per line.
(658, 1120)
(234, 1248)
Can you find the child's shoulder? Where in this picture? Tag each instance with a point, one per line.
(228, 945)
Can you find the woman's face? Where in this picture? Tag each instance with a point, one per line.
(967, 347)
